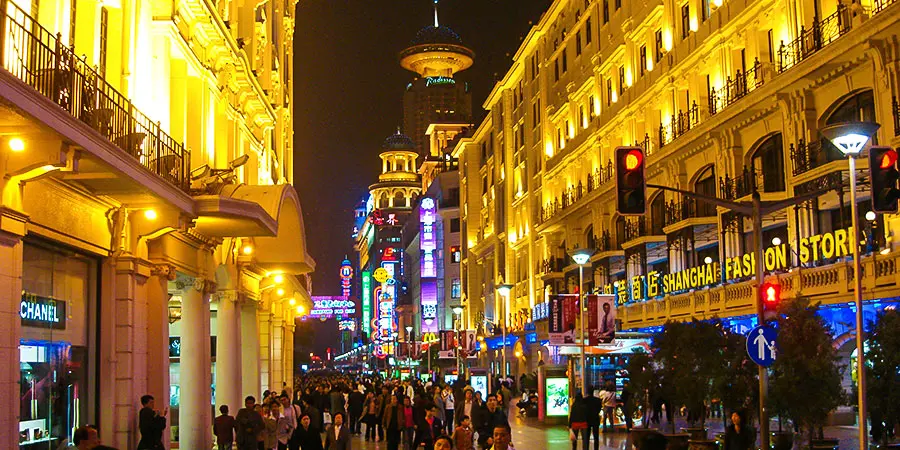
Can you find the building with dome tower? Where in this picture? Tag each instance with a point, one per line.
(436, 54)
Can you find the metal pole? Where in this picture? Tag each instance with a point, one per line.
(581, 311)
(503, 327)
(857, 288)
(760, 317)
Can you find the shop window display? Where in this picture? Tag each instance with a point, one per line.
(55, 375)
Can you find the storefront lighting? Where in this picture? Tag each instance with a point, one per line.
(870, 216)
(707, 260)
(247, 250)
(279, 278)
(150, 214)
(174, 309)
(518, 353)
(292, 302)
(301, 311)
(280, 292)
(17, 144)
(776, 241)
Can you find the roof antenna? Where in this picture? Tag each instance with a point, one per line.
(435, 14)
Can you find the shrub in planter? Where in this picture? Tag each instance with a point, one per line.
(883, 374)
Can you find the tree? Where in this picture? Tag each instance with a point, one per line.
(737, 384)
(691, 356)
(883, 371)
(805, 385)
(641, 377)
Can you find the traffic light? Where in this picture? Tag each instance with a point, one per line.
(770, 294)
(883, 174)
(630, 187)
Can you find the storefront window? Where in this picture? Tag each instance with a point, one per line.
(57, 378)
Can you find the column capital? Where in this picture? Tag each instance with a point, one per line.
(166, 271)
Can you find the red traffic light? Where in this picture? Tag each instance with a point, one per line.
(771, 294)
(888, 159)
(634, 158)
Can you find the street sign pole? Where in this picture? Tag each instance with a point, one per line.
(760, 318)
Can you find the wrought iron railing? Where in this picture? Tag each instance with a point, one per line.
(600, 176)
(573, 194)
(735, 88)
(812, 39)
(635, 228)
(679, 124)
(36, 56)
(895, 110)
(645, 144)
(742, 185)
(687, 208)
(551, 265)
(880, 5)
(806, 156)
(605, 242)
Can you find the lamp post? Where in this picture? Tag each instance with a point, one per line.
(850, 138)
(581, 257)
(503, 290)
(457, 311)
(409, 348)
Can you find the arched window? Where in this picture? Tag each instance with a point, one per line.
(399, 200)
(589, 238)
(858, 108)
(383, 202)
(658, 214)
(767, 164)
(705, 184)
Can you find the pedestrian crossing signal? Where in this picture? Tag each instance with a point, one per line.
(884, 175)
(771, 296)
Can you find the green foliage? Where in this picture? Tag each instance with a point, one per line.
(737, 383)
(691, 357)
(883, 373)
(641, 377)
(805, 384)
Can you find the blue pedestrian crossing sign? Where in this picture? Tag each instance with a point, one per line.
(761, 345)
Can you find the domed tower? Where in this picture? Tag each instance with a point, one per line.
(398, 183)
(436, 54)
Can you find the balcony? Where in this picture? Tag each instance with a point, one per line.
(645, 144)
(600, 177)
(739, 186)
(809, 41)
(687, 209)
(573, 194)
(36, 56)
(880, 5)
(735, 88)
(807, 156)
(551, 266)
(679, 124)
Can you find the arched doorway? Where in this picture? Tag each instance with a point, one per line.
(767, 164)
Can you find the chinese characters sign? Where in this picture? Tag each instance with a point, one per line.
(427, 240)
(332, 306)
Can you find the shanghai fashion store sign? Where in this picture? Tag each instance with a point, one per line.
(42, 312)
(822, 247)
(333, 306)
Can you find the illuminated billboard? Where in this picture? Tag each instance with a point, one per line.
(366, 301)
(557, 396)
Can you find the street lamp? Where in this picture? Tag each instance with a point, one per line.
(581, 257)
(457, 311)
(503, 290)
(409, 329)
(850, 138)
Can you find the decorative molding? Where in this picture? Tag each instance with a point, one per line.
(166, 271)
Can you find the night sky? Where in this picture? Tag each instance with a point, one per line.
(348, 97)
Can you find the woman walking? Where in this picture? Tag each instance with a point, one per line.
(578, 422)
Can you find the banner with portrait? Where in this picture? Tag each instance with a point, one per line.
(601, 319)
(563, 311)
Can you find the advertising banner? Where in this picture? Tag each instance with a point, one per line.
(563, 311)
(480, 384)
(448, 344)
(601, 319)
(557, 397)
(467, 344)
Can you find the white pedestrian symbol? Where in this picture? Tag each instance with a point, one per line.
(762, 344)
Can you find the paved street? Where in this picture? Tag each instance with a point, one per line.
(531, 434)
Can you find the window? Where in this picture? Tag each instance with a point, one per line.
(621, 79)
(578, 44)
(643, 57)
(605, 12)
(588, 33)
(618, 4)
(455, 289)
(455, 254)
(609, 92)
(659, 45)
(581, 116)
(536, 112)
(104, 34)
(560, 140)
(534, 65)
(556, 70)
(685, 20)
(484, 185)
(454, 225)
(771, 46)
(565, 65)
(704, 10)
(593, 105)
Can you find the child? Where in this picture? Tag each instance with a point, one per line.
(462, 435)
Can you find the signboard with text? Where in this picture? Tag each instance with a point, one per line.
(328, 307)
(42, 312)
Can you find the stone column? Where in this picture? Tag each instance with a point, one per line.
(277, 349)
(288, 360)
(265, 346)
(12, 228)
(158, 339)
(228, 351)
(249, 350)
(195, 423)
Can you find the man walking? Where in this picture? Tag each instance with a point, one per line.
(608, 397)
(152, 423)
(248, 424)
(223, 429)
(337, 437)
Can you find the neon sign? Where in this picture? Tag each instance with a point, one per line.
(334, 306)
(366, 301)
(346, 275)
(427, 241)
(437, 81)
(42, 312)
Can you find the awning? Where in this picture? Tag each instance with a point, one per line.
(271, 215)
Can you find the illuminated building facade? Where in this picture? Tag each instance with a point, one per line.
(724, 97)
(146, 206)
(436, 54)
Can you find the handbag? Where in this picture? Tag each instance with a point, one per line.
(326, 418)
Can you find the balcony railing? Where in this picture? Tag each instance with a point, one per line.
(635, 228)
(821, 33)
(679, 124)
(33, 54)
(880, 5)
(687, 208)
(599, 177)
(605, 242)
(552, 265)
(733, 188)
(573, 194)
(895, 110)
(809, 155)
(645, 144)
(735, 88)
